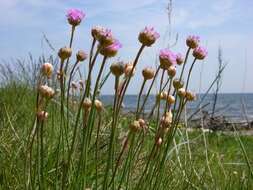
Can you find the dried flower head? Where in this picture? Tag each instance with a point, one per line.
(87, 104)
(167, 58)
(98, 105)
(111, 50)
(117, 68)
(128, 69)
(42, 115)
(178, 83)
(192, 41)
(190, 96)
(181, 92)
(134, 126)
(64, 53)
(172, 71)
(74, 85)
(171, 99)
(179, 58)
(148, 36)
(199, 53)
(47, 69)
(81, 83)
(148, 73)
(46, 91)
(81, 55)
(167, 119)
(96, 32)
(75, 16)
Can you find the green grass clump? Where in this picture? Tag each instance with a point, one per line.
(218, 165)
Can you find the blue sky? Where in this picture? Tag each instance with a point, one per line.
(227, 23)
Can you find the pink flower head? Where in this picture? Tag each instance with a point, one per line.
(148, 36)
(167, 58)
(192, 41)
(75, 16)
(179, 58)
(111, 50)
(200, 52)
(105, 37)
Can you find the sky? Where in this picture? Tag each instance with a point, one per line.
(224, 23)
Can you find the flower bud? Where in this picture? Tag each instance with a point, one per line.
(177, 83)
(190, 96)
(42, 115)
(87, 104)
(148, 73)
(81, 55)
(128, 68)
(192, 41)
(179, 59)
(172, 71)
(98, 105)
(171, 99)
(167, 119)
(163, 95)
(148, 36)
(134, 126)
(159, 141)
(111, 50)
(47, 69)
(96, 32)
(142, 123)
(46, 91)
(65, 53)
(75, 16)
(199, 53)
(181, 92)
(117, 69)
(167, 58)
(105, 37)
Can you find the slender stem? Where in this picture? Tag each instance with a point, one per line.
(159, 101)
(41, 156)
(70, 45)
(185, 61)
(189, 74)
(91, 117)
(139, 97)
(77, 121)
(97, 143)
(149, 90)
(128, 81)
(110, 154)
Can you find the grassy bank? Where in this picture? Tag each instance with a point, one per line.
(197, 160)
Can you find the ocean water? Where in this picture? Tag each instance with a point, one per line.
(234, 107)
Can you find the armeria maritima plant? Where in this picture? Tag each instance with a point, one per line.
(88, 152)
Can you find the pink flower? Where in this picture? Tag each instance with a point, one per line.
(75, 16)
(148, 36)
(167, 58)
(200, 52)
(192, 41)
(111, 50)
(179, 58)
(105, 37)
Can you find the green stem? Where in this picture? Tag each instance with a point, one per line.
(139, 97)
(149, 90)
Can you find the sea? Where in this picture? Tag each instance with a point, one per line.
(234, 107)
